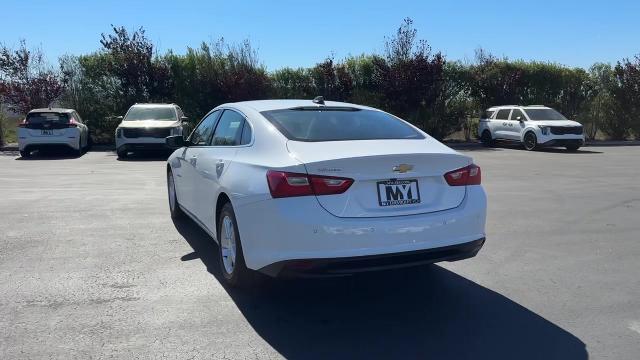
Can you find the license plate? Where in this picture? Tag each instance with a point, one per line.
(46, 132)
(398, 192)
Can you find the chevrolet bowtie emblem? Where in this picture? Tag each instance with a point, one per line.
(403, 168)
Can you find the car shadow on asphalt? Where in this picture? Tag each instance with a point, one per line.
(424, 312)
(53, 153)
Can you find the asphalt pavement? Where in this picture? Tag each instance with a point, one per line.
(92, 266)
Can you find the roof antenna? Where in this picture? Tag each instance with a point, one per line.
(318, 100)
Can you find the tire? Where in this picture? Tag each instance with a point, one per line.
(232, 266)
(573, 148)
(174, 205)
(122, 153)
(530, 141)
(486, 139)
(25, 153)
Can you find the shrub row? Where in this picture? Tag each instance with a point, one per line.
(407, 79)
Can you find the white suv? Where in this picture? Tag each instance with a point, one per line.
(533, 126)
(52, 127)
(145, 127)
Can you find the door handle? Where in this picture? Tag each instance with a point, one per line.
(193, 160)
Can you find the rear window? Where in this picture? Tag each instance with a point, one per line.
(39, 118)
(138, 113)
(339, 124)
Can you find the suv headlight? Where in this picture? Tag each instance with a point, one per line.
(545, 129)
(176, 131)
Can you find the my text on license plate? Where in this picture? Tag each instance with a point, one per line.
(398, 192)
(46, 132)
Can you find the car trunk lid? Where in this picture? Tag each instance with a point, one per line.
(391, 177)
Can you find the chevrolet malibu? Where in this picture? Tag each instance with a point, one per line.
(315, 188)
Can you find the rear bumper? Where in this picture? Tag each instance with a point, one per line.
(278, 230)
(351, 265)
(38, 142)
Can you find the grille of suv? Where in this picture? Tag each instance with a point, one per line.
(146, 132)
(566, 130)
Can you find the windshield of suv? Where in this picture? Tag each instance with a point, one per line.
(138, 113)
(339, 124)
(544, 114)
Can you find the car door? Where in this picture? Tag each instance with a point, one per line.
(185, 173)
(516, 124)
(501, 122)
(214, 162)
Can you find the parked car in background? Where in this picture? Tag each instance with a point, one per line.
(145, 127)
(533, 126)
(300, 187)
(50, 127)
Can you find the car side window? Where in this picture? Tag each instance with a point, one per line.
(503, 114)
(517, 113)
(229, 129)
(202, 133)
(246, 133)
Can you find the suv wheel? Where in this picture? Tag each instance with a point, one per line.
(573, 148)
(234, 271)
(122, 153)
(530, 141)
(486, 138)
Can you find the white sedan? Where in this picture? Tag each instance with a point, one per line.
(315, 188)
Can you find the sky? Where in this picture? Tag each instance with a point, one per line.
(302, 33)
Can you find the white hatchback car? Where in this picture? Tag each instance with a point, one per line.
(533, 126)
(145, 127)
(48, 127)
(308, 188)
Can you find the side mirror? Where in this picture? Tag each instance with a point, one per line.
(184, 119)
(519, 118)
(119, 117)
(175, 142)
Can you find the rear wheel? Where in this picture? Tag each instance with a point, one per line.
(486, 138)
(530, 141)
(232, 265)
(174, 206)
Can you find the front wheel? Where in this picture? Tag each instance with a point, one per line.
(232, 265)
(122, 153)
(530, 141)
(573, 148)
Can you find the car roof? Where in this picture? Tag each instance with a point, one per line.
(280, 104)
(55, 110)
(518, 106)
(154, 105)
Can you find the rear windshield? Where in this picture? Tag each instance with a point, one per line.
(42, 117)
(544, 114)
(339, 124)
(151, 113)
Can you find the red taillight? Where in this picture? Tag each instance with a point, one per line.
(286, 184)
(23, 123)
(468, 175)
(73, 122)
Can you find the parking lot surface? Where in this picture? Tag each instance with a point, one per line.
(91, 266)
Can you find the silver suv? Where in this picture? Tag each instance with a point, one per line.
(533, 126)
(145, 127)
